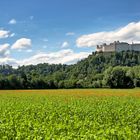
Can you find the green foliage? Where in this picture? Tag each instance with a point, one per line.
(92, 72)
(117, 78)
(68, 116)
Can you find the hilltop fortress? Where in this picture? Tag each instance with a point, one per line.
(117, 47)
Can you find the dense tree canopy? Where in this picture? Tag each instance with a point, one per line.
(117, 78)
(114, 70)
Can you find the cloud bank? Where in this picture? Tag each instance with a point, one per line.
(66, 56)
(129, 33)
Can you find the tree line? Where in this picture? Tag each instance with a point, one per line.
(113, 70)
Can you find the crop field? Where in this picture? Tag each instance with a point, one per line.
(86, 114)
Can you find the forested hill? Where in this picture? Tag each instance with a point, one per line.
(114, 70)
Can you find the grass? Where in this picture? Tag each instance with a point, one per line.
(70, 114)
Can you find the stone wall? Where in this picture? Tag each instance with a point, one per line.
(118, 47)
(109, 48)
(135, 47)
(122, 47)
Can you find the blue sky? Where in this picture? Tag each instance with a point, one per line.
(66, 29)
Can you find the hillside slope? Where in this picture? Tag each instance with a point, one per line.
(87, 73)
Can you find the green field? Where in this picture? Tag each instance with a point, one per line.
(70, 114)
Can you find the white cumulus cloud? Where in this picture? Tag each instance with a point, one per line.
(12, 21)
(5, 56)
(4, 50)
(128, 33)
(65, 44)
(22, 43)
(12, 35)
(4, 34)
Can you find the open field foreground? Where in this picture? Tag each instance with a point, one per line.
(70, 114)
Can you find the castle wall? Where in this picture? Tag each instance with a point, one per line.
(109, 48)
(118, 47)
(136, 47)
(122, 47)
(99, 49)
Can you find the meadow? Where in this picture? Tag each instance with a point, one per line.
(87, 114)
